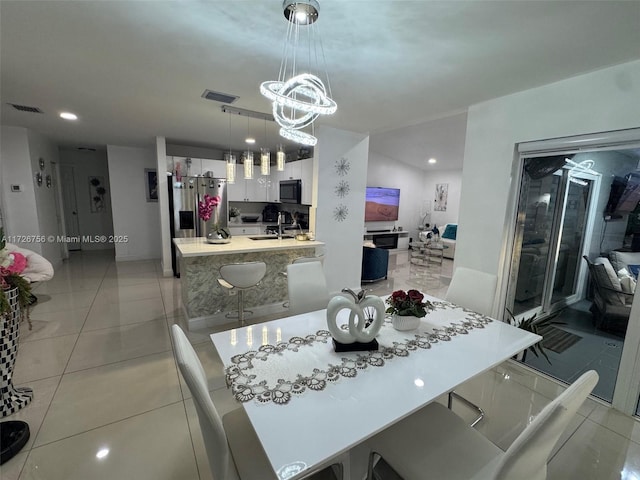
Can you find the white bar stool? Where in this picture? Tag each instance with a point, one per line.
(241, 276)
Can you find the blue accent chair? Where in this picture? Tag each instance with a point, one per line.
(375, 263)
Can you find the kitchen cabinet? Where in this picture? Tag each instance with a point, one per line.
(301, 170)
(245, 230)
(254, 190)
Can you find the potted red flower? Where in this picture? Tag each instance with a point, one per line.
(407, 308)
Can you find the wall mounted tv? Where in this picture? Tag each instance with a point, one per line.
(382, 204)
(624, 195)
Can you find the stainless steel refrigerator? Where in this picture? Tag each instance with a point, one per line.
(184, 195)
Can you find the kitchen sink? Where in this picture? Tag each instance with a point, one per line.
(271, 237)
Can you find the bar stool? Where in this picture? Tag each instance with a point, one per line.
(241, 276)
(317, 258)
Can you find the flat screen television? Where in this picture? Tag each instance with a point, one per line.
(381, 204)
(624, 195)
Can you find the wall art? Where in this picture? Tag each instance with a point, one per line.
(97, 191)
(440, 202)
(151, 184)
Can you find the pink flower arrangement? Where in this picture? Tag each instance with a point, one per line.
(12, 264)
(207, 205)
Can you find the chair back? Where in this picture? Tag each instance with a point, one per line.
(307, 287)
(528, 455)
(317, 258)
(243, 275)
(213, 434)
(472, 289)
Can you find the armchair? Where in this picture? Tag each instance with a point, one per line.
(375, 263)
(610, 303)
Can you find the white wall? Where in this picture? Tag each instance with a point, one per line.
(20, 210)
(387, 172)
(596, 102)
(132, 214)
(40, 147)
(453, 178)
(90, 164)
(32, 211)
(343, 239)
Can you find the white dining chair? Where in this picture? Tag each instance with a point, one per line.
(474, 290)
(435, 443)
(231, 445)
(307, 287)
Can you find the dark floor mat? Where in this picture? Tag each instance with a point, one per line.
(556, 339)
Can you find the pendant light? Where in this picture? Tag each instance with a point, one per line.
(265, 161)
(280, 158)
(248, 156)
(299, 95)
(265, 155)
(230, 160)
(248, 165)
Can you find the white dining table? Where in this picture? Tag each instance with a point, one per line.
(321, 424)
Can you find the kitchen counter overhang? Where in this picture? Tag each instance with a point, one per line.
(197, 247)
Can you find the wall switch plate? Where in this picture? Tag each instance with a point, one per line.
(16, 188)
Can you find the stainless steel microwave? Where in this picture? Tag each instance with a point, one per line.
(291, 191)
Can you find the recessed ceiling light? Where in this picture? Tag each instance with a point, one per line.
(250, 140)
(432, 160)
(68, 116)
(103, 452)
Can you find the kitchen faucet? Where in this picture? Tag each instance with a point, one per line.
(279, 225)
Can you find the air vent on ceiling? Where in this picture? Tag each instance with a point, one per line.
(26, 108)
(86, 149)
(219, 97)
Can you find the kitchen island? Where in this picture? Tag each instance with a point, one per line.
(205, 302)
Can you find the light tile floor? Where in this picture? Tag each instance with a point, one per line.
(99, 359)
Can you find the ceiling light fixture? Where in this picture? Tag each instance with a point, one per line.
(280, 158)
(68, 116)
(230, 159)
(432, 160)
(265, 155)
(298, 96)
(247, 161)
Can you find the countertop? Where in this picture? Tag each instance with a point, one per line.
(197, 247)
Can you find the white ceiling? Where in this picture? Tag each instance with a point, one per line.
(135, 70)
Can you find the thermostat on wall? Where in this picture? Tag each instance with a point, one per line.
(16, 188)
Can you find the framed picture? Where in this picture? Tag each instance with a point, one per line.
(97, 191)
(151, 184)
(440, 202)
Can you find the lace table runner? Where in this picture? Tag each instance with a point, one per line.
(277, 373)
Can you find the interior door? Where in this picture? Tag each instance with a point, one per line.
(70, 206)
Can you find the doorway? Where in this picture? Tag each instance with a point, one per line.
(567, 208)
(70, 207)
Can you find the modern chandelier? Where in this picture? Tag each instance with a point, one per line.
(299, 96)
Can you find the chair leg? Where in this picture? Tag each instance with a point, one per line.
(241, 307)
(372, 456)
(469, 404)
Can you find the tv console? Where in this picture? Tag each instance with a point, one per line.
(386, 238)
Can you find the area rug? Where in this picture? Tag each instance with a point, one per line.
(556, 339)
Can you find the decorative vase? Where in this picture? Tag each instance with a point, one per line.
(11, 399)
(405, 322)
(214, 236)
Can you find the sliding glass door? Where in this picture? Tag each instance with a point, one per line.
(551, 236)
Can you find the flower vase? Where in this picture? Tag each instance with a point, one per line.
(11, 399)
(215, 235)
(405, 322)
